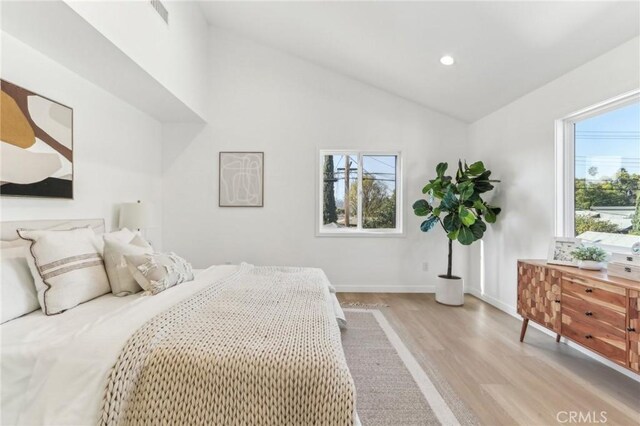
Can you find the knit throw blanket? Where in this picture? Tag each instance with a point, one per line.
(259, 348)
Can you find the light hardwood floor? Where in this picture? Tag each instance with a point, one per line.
(505, 382)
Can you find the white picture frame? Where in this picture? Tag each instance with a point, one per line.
(560, 249)
(241, 179)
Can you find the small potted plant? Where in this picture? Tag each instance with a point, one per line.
(590, 257)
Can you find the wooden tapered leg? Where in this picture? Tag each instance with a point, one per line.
(557, 338)
(523, 330)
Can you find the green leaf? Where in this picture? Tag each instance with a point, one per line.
(436, 212)
(421, 208)
(428, 224)
(479, 205)
(451, 222)
(478, 228)
(441, 168)
(473, 198)
(484, 175)
(490, 215)
(453, 235)
(449, 201)
(460, 176)
(466, 190)
(466, 216)
(428, 187)
(476, 168)
(465, 236)
(482, 186)
(468, 204)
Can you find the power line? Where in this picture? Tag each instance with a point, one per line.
(380, 161)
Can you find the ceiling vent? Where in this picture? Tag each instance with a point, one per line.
(162, 11)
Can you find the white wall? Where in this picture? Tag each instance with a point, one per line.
(116, 148)
(517, 143)
(265, 100)
(174, 54)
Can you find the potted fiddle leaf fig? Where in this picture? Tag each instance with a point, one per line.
(456, 204)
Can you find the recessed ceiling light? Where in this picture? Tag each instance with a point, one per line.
(447, 60)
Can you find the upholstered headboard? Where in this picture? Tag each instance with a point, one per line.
(8, 229)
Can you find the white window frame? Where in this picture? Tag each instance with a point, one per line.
(565, 160)
(359, 231)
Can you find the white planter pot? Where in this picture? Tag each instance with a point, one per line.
(591, 265)
(450, 291)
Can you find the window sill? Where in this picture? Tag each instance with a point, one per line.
(361, 234)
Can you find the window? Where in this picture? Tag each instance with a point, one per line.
(601, 150)
(359, 193)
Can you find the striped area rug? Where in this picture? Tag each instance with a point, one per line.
(391, 386)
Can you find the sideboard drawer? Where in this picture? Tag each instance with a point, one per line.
(595, 292)
(608, 341)
(590, 310)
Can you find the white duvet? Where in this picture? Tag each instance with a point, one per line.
(54, 369)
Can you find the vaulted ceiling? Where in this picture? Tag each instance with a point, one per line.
(502, 50)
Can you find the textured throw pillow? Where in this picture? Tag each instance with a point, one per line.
(18, 291)
(157, 272)
(66, 266)
(120, 278)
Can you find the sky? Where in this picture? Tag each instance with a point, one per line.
(383, 167)
(609, 141)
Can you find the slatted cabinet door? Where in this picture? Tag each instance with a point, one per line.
(539, 295)
(633, 332)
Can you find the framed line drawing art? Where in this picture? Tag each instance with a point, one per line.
(241, 179)
(37, 144)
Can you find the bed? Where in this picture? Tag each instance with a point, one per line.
(239, 344)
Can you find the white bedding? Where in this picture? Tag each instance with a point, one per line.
(55, 369)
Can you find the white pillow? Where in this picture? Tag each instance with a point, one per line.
(120, 278)
(18, 291)
(67, 267)
(123, 236)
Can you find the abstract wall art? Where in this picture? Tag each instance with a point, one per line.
(241, 179)
(36, 148)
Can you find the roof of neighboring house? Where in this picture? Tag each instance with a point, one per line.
(621, 217)
(608, 239)
(622, 209)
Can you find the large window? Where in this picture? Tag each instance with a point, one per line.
(602, 146)
(359, 193)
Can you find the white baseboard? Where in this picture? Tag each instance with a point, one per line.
(494, 302)
(511, 310)
(354, 288)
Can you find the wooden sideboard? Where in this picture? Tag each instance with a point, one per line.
(598, 312)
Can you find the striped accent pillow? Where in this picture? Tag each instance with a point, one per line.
(67, 267)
